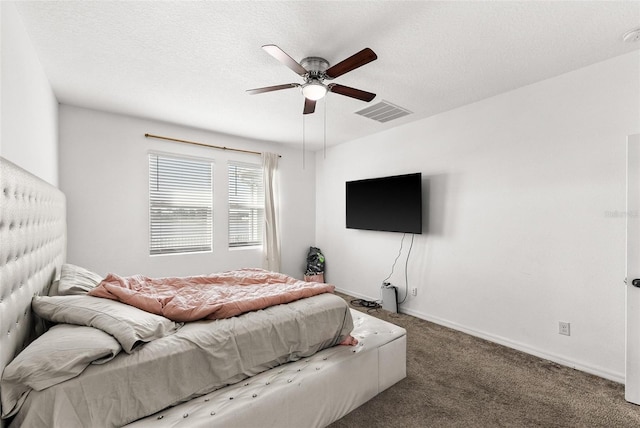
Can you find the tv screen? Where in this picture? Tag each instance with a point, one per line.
(392, 204)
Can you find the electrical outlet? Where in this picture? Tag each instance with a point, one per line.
(564, 328)
(414, 291)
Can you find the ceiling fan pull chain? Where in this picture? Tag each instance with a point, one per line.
(324, 145)
(303, 143)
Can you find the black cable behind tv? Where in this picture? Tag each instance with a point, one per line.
(391, 204)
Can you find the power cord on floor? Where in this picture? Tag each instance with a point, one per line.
(362, 303)
(372, 306)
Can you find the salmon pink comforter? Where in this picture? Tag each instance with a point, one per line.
(220, 295)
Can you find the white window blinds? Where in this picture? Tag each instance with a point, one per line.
(246, 204)
(180, 205)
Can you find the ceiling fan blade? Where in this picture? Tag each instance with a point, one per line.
(281, 56)
(272, 88)
(363, 57)
(309, 106)
(351, 92)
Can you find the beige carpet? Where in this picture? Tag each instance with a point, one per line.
(457, 380)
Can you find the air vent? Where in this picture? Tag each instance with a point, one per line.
(384, 111)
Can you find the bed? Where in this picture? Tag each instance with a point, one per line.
(314, 384)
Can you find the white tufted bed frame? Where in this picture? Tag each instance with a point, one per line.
(33, 242)
(312, 392)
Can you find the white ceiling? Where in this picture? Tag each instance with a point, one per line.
(190, 62)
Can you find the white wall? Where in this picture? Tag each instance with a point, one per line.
(523, 229)
(104, 173)
(29, 109)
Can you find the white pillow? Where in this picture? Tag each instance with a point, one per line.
(129, 325)
(61, 353)
(76, 280)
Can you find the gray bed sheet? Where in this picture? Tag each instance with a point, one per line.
(201, 357)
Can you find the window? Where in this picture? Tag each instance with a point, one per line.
(180, 205)
(246, 205)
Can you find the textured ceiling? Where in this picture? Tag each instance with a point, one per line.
(190, 62)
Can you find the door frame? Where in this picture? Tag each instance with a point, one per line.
(632, 294)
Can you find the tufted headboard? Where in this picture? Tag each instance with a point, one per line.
(33, 241)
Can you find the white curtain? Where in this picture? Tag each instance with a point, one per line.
(271, 241)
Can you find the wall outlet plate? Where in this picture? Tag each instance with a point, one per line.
(564, 328)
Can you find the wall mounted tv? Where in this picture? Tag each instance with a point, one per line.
(392, 204)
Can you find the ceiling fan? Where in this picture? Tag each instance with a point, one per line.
(315, 70)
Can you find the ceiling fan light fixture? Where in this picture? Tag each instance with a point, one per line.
(314, 90)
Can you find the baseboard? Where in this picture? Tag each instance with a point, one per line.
(359, 296)
(597, 371)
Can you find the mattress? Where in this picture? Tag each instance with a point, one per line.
(200, 357)
(311, 392)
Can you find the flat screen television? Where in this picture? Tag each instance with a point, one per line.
(392, 204)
